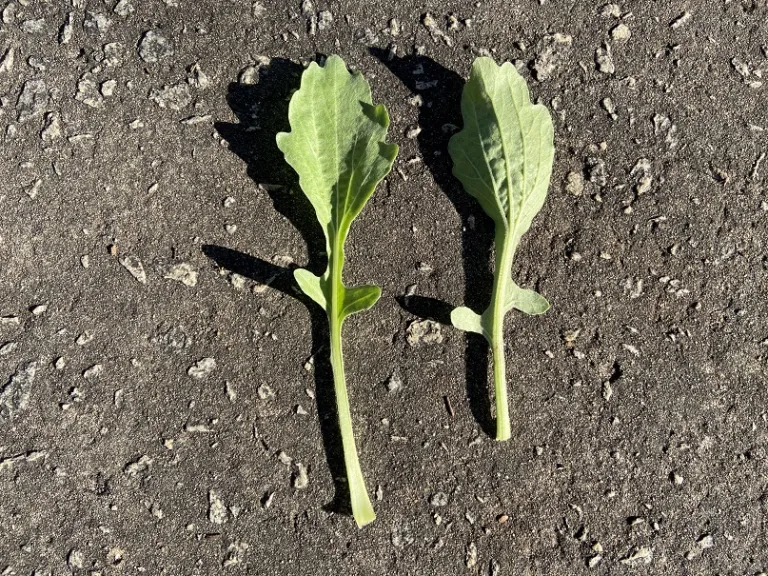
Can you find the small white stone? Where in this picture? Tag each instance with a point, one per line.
(184, 273)
(621, 33)
(93, 372)
(217, 510)
(135, 267)
(202, 368)
(300, 477)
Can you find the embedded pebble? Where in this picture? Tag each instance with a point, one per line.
(638, 556)
(134, 267)
(217, 510)
(124, 8)
(39, 310)
(574, 183)
(610, 11)
(183, 273)
(52, 128)
(249, 75)
(138, 466)
(663, 126)
(366, 36)
(14, 395)
(33, 189)
(470, 555)
(438, 499)
(413, 131)
(108, 88)
(324, 19)
(394, 384)
(153, 47)
(7, 60)
(173, 97)
(552, 52)
(424, 332)
(33, 26)
(96, 23)
(621, 33)
(705, 541)
(608, 106)
(641, 173)
(66, 30)
(33, 101)
(93, 372)
(604, 59)
(235, 553)
(202, 368)
(264, 391)
(258, 9)
(11, 461)
(598, 173)
(75, 559)
(300, 477)
(84, 338)
(237, 281)
(88, 91)
(8, 348)
(681, 20)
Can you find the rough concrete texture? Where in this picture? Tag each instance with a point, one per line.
(165, 403)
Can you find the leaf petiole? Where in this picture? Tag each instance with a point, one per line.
(362, 509)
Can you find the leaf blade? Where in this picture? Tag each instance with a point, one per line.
(495, 156)
(359, 299)
(336, 143)
(527, 301)
(468, 320)
(312, 286)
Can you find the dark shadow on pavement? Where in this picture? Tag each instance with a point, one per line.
(439, 117)
(262, 111)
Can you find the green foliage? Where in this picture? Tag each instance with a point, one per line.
(503, 157)
(337, 147)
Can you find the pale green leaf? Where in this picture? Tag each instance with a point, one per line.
(336, 143)
(527, 301)
(311, 285)
(503, 157)
(359, 299)
(466, 319)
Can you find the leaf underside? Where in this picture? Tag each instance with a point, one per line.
(503, 157)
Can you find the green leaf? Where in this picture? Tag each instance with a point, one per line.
(359, 299)
(503, 157)
(468, 320)
(336, 145)
(311, 285)
(527, 301)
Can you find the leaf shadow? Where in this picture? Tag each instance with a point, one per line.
(439, 116)
(262, 111)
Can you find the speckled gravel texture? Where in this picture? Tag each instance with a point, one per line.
(165, 403)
